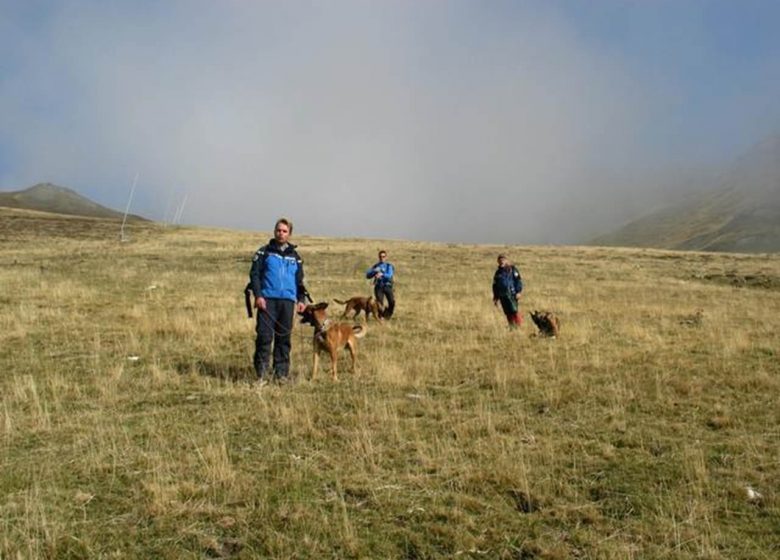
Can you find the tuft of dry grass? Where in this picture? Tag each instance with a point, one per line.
(129, 427)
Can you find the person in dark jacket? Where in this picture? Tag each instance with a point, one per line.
(382, 274)
(276, 279)
(507, 287)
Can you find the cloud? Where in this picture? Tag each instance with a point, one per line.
(444, 121)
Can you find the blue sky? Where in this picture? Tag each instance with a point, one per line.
(464, 121)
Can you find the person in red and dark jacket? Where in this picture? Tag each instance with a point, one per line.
(507, 287)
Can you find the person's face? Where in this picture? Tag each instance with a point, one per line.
(281, 233)
(382, 256)
(502, 262)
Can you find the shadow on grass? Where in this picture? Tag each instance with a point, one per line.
(223, 370)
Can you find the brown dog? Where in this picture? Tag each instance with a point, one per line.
(547, 323)
(330, 337)
(365, 304)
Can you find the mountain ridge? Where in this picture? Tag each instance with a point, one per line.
(48, 197)
(742, 214)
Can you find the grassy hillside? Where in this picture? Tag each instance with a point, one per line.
(45, 197)
(634, 435)
(742, 214)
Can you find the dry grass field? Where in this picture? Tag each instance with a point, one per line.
(635, 434)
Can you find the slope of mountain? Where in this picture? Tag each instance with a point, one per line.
(46, 197)
(742, 214)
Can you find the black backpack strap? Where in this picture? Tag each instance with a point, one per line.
(248, 299)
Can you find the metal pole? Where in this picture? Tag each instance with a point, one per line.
(180, 211)
(127, 209)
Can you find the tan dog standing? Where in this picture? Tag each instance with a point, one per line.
(365, 304)
(330, 337)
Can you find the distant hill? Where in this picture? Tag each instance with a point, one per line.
(741, 215)
(46, 197)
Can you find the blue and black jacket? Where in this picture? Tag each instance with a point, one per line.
(277, 273)
(387, 271)
(507, 282)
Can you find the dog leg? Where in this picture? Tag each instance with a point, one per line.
(334, 358)
(352, 353)
(316, 362)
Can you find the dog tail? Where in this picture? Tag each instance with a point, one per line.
(339, 301)
(359, 330)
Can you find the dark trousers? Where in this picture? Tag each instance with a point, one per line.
(380, 292)
(511, 310)
(274, 326)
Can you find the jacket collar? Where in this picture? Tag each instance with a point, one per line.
(274, 246)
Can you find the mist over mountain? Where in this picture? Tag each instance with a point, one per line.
(533, 122)
(741, 213)
(47, 197)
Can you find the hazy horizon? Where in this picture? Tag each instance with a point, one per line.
(503, 122)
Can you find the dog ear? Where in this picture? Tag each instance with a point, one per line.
(320, 305)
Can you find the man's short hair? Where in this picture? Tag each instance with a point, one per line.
(382, 252)
(285, 221)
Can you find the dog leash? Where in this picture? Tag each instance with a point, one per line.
(248, 298)
(323, 328)
(262, 315)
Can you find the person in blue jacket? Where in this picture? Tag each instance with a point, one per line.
(382, 274)
(276, 280)
(507, 287)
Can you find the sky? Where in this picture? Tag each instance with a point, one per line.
(522, 122)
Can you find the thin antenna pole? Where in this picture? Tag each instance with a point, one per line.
(181, 210)
(168, 209)
(127, 209)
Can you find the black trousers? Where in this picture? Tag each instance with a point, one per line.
(274, 327)
(380, 292)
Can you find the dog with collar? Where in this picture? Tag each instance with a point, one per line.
(330, 337)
